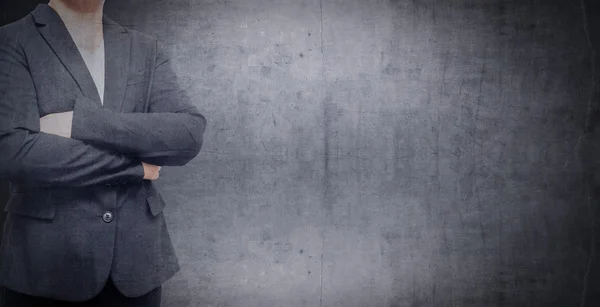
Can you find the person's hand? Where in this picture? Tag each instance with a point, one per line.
(151, 171)
(57, 123)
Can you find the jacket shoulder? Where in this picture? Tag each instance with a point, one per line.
(17, 31)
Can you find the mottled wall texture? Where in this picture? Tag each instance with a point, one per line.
(381, 153)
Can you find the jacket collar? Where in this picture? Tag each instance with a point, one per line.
(46, 15)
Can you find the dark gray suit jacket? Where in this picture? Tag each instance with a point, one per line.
(79, 209)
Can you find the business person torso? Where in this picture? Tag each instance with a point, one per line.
(80, 211)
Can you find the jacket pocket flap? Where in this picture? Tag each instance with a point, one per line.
(156, 203)
(20, 204)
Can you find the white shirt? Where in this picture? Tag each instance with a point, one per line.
(95, 64)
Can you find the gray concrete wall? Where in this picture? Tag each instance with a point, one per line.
(378, 153)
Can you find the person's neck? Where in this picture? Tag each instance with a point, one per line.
(83, 19)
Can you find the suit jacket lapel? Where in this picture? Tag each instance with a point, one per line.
(117, 45)
(54, 31)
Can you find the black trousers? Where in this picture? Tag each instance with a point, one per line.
(109, 297)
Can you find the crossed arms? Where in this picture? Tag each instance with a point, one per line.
(105, 147)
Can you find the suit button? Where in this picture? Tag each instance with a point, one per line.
(107, 216)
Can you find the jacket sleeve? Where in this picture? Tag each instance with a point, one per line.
(32, 157)
(171, 133)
